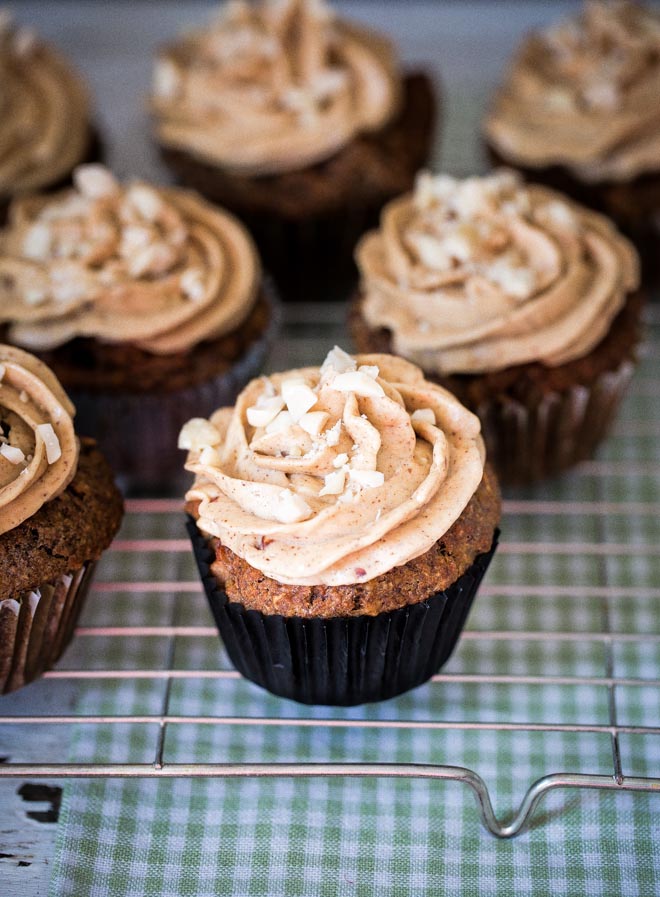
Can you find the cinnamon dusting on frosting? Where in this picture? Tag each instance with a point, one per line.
(389, 467)
(156, 267)
(273, 86)
(38, 447)
(44, 112)
(485, 273)
(584, 94)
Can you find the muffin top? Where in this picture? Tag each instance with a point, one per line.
(155, 267)
(273, 86)
(484, 273)
(584, 95)
(38, 446)
(44, 112)
(334, 475)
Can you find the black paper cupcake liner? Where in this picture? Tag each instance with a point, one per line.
(343, 660)
(37, 625)
(138, 432)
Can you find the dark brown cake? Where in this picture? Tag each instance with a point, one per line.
(434, 571)
(67, 532)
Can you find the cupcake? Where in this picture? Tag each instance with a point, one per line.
(579, 111)
(59, 508)
(299, 122)
(518, 300)
(45, 127)
(146, 302)
(342, 519)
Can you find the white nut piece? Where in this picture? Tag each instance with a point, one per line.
(166, 79)
(192, 284)
(281, 423)
(95, 181)
(145, 200)
(371, 370)
(210, 456)
(11, 453)
(367, 479)
(266, 410)
(333, 483)
(298, 396)
(37, 242)
(359, 383)
(340, 460)
(52, 443)
(312, 422)
(290, 508)
(197, 433)
(338, 361)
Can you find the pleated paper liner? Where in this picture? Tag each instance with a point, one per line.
(138, 432)
(36, 626)
(342, 660)
(529, 443)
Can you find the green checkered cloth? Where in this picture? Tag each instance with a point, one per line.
(280, 837)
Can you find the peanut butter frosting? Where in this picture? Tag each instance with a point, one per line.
(484, 273)
(38, 446)
(155, 267)
(584, 95)
(44, 112)
(273, 86)
(334, 475)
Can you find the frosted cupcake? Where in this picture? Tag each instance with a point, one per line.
(146, 302)
(578, 110)
(342, 521)
(299, 122)
(520, 301)
(59, 509)
(45, 128)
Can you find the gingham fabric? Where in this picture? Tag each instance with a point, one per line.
(533, 653)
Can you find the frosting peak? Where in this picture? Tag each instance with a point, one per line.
(584, 94)
(335, 474)
(272, 86)
(38, 447)
(156, 267)
(44, 112)
(486, 273)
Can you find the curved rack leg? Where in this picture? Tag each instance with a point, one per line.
(518, 823)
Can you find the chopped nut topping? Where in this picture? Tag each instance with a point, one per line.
(197, 433)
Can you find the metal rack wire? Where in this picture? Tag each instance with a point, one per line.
(599, 509)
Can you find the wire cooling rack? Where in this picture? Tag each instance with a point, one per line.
(565, 633)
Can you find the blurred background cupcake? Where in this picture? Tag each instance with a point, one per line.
(580, 111)
(521, 302)
(59, 508)
(342, 519)
(148, 303)
(299, 122)
(45, 128)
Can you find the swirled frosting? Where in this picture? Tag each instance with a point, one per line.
(44, 112)
(158, 268)
(38, 447)
(336, 474)
(584, 95)
(273, 86)
(485, 273)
